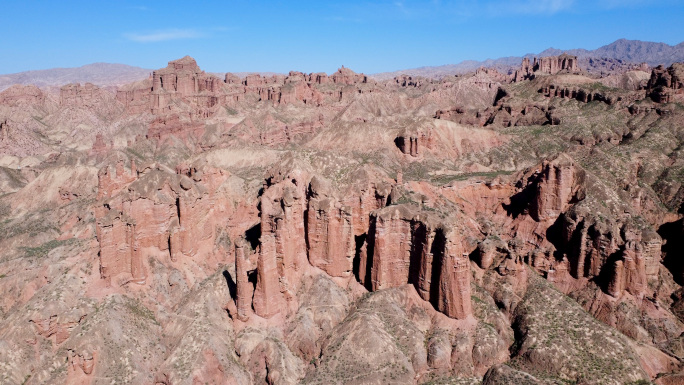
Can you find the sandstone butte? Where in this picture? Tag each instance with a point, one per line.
(309, 228)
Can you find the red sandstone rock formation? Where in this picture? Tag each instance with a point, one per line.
(547, 65)
(414, 142)
(244, 289)
(282, 258)
(330, 235)
(667, 84)
(561, 183)
(80, 366)
(160, 213)
(171, 229)
(524, 72)
(77, 95)
(182, 79)
(410, 247)
(347, 76)
(4, 130)
(135, 97)
(591, 243)
(578, 93)
(554, 64)
(231, 78)
(99, 145)
(19, 95)
(164, 127)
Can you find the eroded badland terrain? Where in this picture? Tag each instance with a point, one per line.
(333, 229)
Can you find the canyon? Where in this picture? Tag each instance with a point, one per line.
(486, 228)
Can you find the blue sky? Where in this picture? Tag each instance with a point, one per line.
(313, 36)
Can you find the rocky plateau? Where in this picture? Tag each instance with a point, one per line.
(486, 228)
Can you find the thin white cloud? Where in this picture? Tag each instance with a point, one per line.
(164, 35)
(529, 7)
(611, 4)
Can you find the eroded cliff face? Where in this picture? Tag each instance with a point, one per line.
(561, 183)
(413, 247)
(546, 65)
(303, 226)
(329, 231)
(158, 214)
(666, 84)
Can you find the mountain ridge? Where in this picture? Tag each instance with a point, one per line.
(633, 51)
(116, 74)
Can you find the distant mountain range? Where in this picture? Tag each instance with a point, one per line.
(107, 74)
(101, 74)
(630, 51)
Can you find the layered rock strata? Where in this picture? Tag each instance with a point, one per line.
(411, 247)
(549, 65)
(666, 84)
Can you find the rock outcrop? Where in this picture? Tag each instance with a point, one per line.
(409, 247)
(549, 65)
(347, 76)
(83, 96)
(19, 95)
(329, 231)
(282, 257)
(561, 183)
(153, 213)
(666, 84)
(414, 141)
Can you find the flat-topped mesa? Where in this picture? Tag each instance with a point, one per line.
(183, 78)
(561, 182)
(666, 85)
(231, 78)
(554, 64)
(347, 76)
(411, 246)
(549, 65)
(79, 95)
(19, 95)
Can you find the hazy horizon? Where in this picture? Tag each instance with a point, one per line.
(370, 37)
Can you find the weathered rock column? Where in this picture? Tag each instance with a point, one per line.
(244, 291)
(454, 282)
